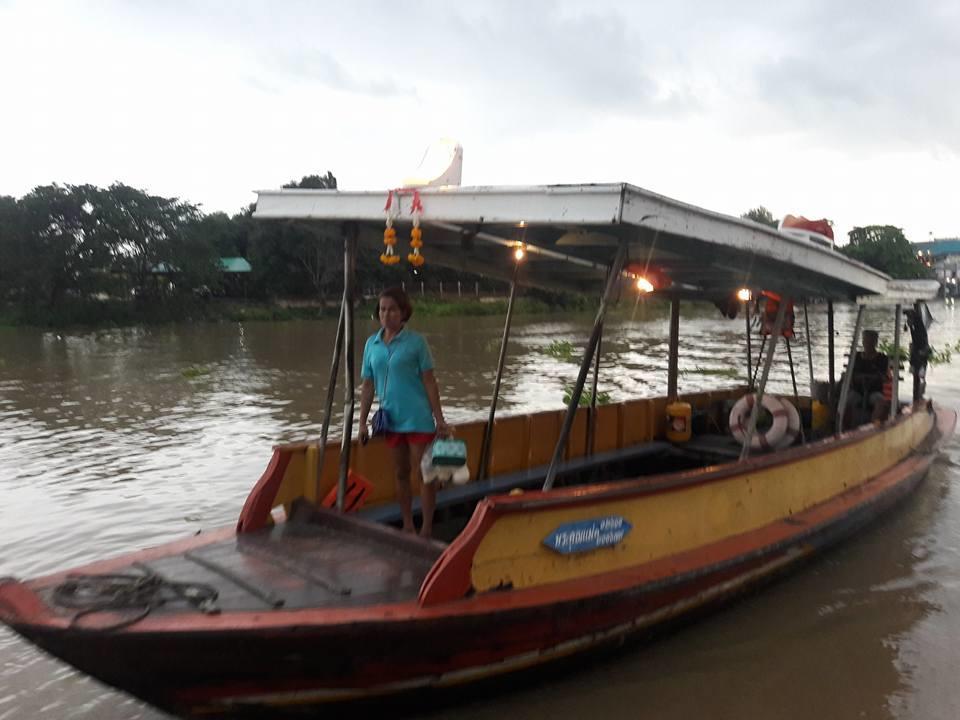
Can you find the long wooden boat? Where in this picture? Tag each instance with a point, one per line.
(586, 527)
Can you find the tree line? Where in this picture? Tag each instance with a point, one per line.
(69, 252)
(884, 247)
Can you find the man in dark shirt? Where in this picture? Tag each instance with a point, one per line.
(869, 374)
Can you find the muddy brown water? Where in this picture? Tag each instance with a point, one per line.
(118, 439)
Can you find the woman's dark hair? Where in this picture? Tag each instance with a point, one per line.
(399, 296)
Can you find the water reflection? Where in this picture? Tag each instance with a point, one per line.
(124, 438)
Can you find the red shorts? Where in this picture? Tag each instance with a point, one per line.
(412, 438)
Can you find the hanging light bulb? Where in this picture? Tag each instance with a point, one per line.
(743, 295)
(519, 252)
(643, 285)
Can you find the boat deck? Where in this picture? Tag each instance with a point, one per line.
(317, 559)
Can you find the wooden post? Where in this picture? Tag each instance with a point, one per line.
(848, 373)
(806, 325)
(612, 280)
(830, 351)
(895, 365)
(331, 390)
(349, 273)
(487, 446)
(674, 351)
(592, 424)
(917, 381)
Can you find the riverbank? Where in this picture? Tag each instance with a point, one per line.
(108, 313)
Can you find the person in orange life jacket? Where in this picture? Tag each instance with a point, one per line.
(397, 368)
(869, 375)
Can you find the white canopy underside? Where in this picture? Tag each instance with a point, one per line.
(571, 233)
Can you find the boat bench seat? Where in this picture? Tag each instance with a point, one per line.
(530, 478)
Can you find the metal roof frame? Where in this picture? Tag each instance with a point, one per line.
(571, 233)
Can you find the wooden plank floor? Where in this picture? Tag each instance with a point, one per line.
(320, 560)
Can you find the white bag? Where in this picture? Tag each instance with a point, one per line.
(459, 475)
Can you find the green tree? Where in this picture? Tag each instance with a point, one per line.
(886, 248)
(62, 254)
(314, 182)
(145, 232)
(294, 257)
(761, 215)
(11, 247)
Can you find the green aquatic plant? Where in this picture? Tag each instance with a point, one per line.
(936, 357)
(195, 371)
(561, 350)
(603, 397)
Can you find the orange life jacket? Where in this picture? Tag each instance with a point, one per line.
(770, 315)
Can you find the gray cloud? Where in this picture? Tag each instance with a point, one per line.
(321, 67)
(870, 74)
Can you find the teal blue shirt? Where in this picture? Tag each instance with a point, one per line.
(396, 369)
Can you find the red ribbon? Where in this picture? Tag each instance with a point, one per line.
(416, 205)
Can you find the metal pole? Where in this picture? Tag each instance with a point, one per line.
(895, 365)
(848, 373)
(674, 351)
(487, 446)
(592, 425)
(806, 325)
(612, 280)
(331, 389)
(746, 306)
(755, 410)
(349, 272)
(830, 351)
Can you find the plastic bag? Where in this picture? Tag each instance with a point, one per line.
(458, 474)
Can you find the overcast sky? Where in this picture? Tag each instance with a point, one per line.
(846, 110)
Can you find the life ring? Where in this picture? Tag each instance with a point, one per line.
(793, 425)
(740, 416)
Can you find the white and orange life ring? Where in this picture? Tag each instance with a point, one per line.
(781, 433)
(793, 425)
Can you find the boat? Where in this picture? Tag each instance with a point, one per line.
(581, 527)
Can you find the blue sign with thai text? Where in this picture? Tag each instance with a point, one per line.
(586, 535)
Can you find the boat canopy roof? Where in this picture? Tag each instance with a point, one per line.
(571, 233)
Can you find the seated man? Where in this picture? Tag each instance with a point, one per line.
(866, 386)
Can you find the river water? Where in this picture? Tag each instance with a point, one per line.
(118, 439)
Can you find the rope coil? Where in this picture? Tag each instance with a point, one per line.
(91, 594)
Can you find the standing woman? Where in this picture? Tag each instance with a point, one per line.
(398, 368)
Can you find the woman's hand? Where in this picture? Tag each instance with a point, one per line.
(364, 433)
(443, 429)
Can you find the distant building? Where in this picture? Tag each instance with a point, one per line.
(943, 255)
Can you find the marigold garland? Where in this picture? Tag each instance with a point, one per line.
(416, 234)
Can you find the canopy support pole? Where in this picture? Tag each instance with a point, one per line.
(487, 446)
(331, 390)
(832, 377)
(613, 280)
(349, 273)
(673, 361)
(895, 364)
(848, 373)
(592, 425)
(796, 394)
(756, 368)
(806, 326)
(917, 379)
(746, 306)
(755, 410)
